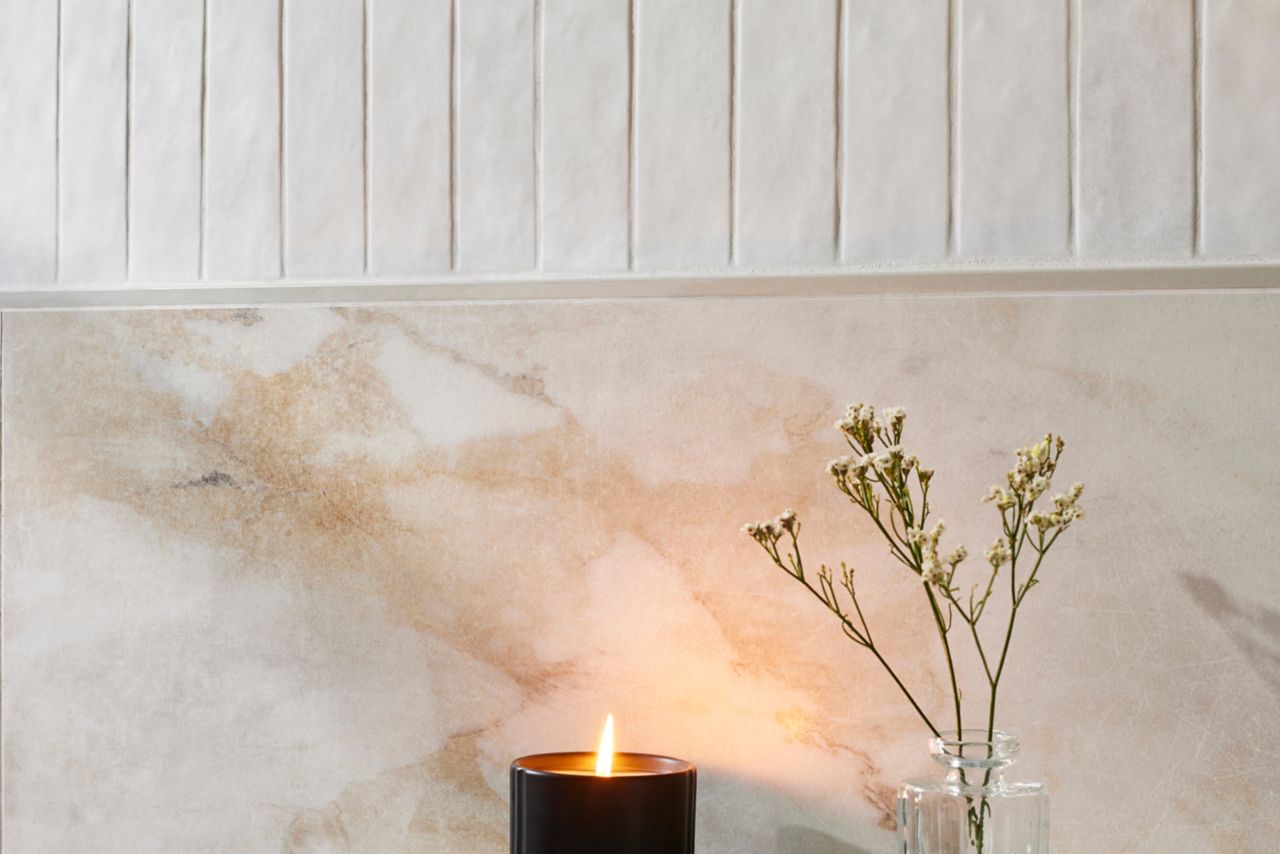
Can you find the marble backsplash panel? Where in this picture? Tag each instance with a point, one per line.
(306, 579)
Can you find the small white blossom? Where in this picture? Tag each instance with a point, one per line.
(998, 554)
(858, 422)
(930, 566)
(1062, 502)
(933, 573)
(1043, 521)
(1035, 488)
(1002, 497)
(766, 533)
(1069, 499)
(1069, 515)
(892, 417)
(865, 462)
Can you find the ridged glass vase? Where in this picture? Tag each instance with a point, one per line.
(973, 810)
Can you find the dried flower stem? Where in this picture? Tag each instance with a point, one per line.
(892, 489)
(826, 594)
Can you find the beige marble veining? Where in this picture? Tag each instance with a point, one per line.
(306, 579)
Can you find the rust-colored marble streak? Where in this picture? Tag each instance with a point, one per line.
(306, 579)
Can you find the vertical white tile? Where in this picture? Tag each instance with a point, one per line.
(682, 133)
(1241, 202)
(410, 75)
(895, 131)
(495, 145)
(585, 134)
(1014, 185)
(786, 192)
(242, 141)
(1135, 133)
(164, 144)
(324, 165)
(28, 142)
(92, 167)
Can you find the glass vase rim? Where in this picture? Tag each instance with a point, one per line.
(974, 748)
(998, 737)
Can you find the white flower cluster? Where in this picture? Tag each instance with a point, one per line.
(1030, 476)
(883, 462)
(1003, 498)
(934, 570)
(893, 417)
(864, 430)
(842, 467)
(926, 539)
(858, 419)
(861, 424)
(1065, 510)
(770, 531)
(998, 554)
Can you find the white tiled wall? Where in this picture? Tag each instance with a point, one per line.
(219, 140)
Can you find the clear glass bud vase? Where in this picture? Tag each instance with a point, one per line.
(972, 810)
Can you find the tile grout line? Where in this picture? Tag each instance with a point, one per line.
(953, 128)
(202, 264)
(128, 140)
(280, 132)
(539, 10)
(632, 83)
(1073, 159)
(453, 136)
(57, 151)
(366, 163)
(734, 11)
(1197, 126)
(841, 40)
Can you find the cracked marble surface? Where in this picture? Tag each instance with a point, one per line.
(306, 579)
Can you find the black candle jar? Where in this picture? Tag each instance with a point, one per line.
(560, 806)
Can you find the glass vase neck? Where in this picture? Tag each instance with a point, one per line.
(972, 749)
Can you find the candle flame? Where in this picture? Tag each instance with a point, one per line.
(604, 756)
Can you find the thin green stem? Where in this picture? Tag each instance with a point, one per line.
(977, 639)
(866, 630)
(903, 688)
(865, 641)
(946, 648)
(850, 629)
